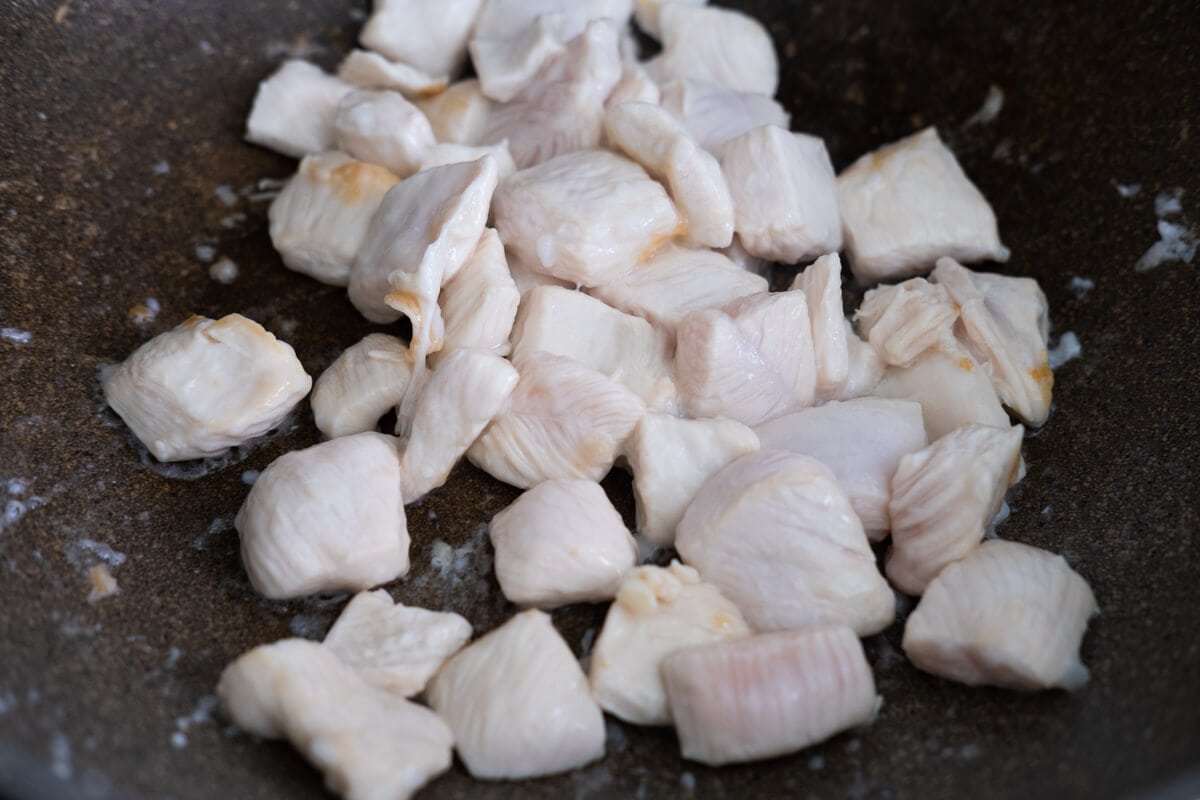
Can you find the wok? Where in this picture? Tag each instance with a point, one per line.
(120, 121)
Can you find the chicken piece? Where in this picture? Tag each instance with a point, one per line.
(368, 70)
(714, 114)
(821, 283)
(205, 386)
(861, 442)
(652, 137)
(295, 108)
(385, 129)
(784, 194)
(1004, 324)
(528, 280)
(326, 519)
(767, 695)
(751, 361)
(518, 703)
(671, 459)
(559, 543)
(370, 744)
(865, 369)
(392, 646)
(635, 86)
(562, 109)
(431, 37)
(320, 219)
(717, 45)
(565, 421)
(626, 348)
(463, 394)
(507, 65)
(909, 203)
(943, 498)
(778, 536)
(901, 321)
(505, 19)
(1007, 615)
(646, 12)
(953, 392)
(365, 382)
(459, 114)
(449, 153)
(479, 304)
(586, 218)
(737, 253)
(657, 611)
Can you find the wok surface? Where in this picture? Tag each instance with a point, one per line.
(121, 119)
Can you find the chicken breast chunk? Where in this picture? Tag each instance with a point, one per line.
(365, 382)
(205, 386)
(770, 694)
(635, 86)
(479, 304)
(383, 128)
(507, 65)
(449, 153)
(901, 321)
(953, 392)
(295, 108)
(459, 114)
(518, 703)
(865, 369)
(778, 536)
(503, 19)
(432, 38)
(326, 519)
(1007, 615)
(821, 283)
(717, 45)
(715, 114)
(368, 70)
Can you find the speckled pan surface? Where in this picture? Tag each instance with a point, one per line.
(119, 121)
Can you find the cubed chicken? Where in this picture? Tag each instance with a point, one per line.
(901, 321)
(953, 392)
(1007, 615)
(635, 86)
(370, 744)
(909, 203)
(943, 498)
(646, 13)
(718, 45)
(565, 421)
(861, 441)
(458, 115)
(778, 536)
(671, 459)
(657, 611)
(479, 304)
(768, 695)
(368, 70)
(504, 19)
(430, 37)
(737, 253)
(865, 369)
(449, 153)
(714, 114)
(821, 283)
(784, 194)
(507, 65)
(383, 128)
(205, 386)
(586, 217)
(295, 108)
(320, 219)
(366, 381)
(518, 703)
(559, 543)
(393, 646)
(326, 519)
(527, 279)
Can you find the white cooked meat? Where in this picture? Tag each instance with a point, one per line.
(953, 392)
(903, 320)
(671, 459)
(768, 695)
(626, 348)
(559, 543)
(1007, 615)
(751, 361)
(294, 110)
(784, 194)
(430, 37)
(943, 498)
(778, 536)
(861, 442)
(658, 610)
(479, 304)
(715, 114)
(369, 744)
(392, 646)
(907, 204)
(737, 253)
(565, 420)
(586, 218)
(366, 381)
(518, 703)
(450, 153)
(368, 70)
(464, 393)
(821, 283)
(205, 386)
(718, 45)
(329, 518)
(646, 13)
(865, 369)
(635, 86)
(507, 65)
(381, 127)
(653, 137)
(503, 19)
(459, 114)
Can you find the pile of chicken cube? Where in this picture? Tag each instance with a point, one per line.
(578, 239)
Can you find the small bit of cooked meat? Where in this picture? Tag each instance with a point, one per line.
(518, 703)
(383, 128)
(737, 253)
(431, 37)
(479, 304)
(719, 45)
(865, 368)
(392, 646)
(657, 611)
(559, 543)
(205, 386)
(326, 519)
(459, 114)
(909, 203)
(778, 536)
(821, 283)
(449, 153)
(369, 70)
(506, 66)
(647, 12)
(901, 321)
(295, 108)
(370, 744)
(1007, 615)
(103, 584)
(767, 695)
(714, 114)
(953, 392)
(365, 382)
